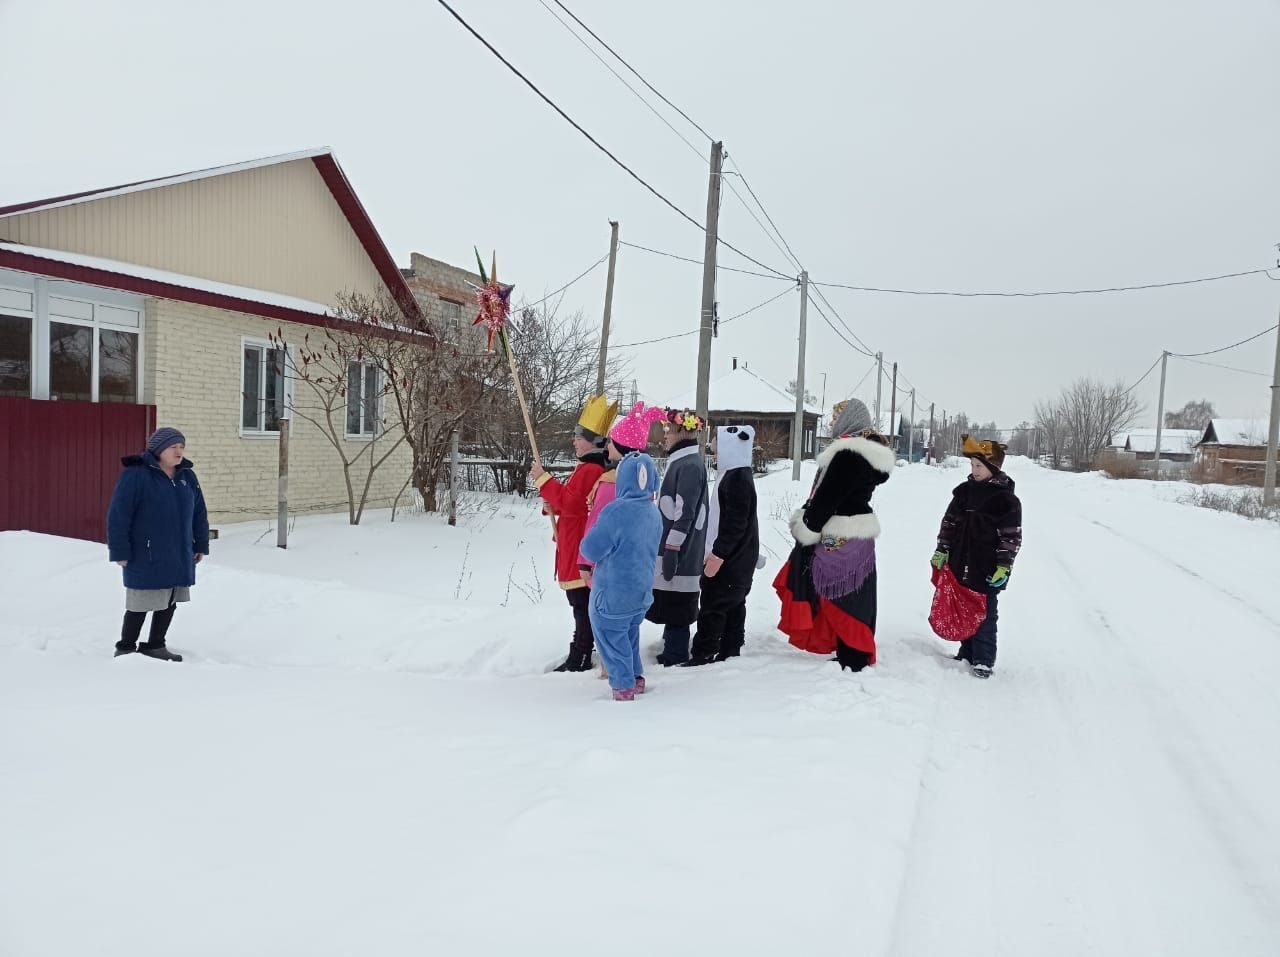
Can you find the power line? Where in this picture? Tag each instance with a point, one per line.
(619, 58)
(694, 332)
(1212, 352)
(843, 338)
(698, 262)
(1143, 376)
(590, 269)
(1028, 295)
(1214, 365)
(621, 79)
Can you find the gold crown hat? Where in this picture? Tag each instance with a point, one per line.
(597, 416)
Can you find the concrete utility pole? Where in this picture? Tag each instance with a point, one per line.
(933, 441)
(1273, 433)
(879, 384)
(797, 428)
(709, 282)
(911, 428)
(1164, 367)
(893, 408)
(454, 468)
(608, 308)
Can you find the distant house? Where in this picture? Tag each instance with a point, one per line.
(1234, 450)
(744, 398)
(1176, 445)
(155, 303)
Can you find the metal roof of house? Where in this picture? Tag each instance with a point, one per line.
(1172, 441)
(1247, 432)
(326, 165)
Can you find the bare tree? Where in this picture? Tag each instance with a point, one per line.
(1193, 415)
(1077, 424)
(1022, 439)
(558, 358)
(340, 390)
(809, 397)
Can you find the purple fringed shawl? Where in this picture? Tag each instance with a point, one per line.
(839, 571)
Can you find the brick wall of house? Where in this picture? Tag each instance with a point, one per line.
(446, 298)
(193, 375)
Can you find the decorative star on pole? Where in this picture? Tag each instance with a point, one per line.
(494, 302)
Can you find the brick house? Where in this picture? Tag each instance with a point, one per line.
(162, 294)
(1234, 451)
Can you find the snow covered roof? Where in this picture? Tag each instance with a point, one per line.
(129, 277)
(104, 192)
(1247, 432)
(1172, 441)
(744, 391)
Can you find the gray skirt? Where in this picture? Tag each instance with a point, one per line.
(154, 599)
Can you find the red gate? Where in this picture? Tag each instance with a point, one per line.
(59, 462)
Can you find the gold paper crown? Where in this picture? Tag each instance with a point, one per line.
(598, 415)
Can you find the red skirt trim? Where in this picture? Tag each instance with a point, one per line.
(819, 633)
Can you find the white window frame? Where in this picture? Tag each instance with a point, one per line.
(376, 431)
(265, 345)
(101, 307)
(453, 326)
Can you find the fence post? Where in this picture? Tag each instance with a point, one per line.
(453, 477)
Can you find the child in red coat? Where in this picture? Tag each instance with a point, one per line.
(566, 502)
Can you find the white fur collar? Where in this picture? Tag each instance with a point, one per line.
(879, 457)
(838, 526)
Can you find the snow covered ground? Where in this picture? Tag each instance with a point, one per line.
(363, 753)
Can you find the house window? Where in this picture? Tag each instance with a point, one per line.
(15, 357)
(363, 381)
(451, 316)
(117, 366)
(70, 362)
(262, 388)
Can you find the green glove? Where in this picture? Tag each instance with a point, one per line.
(939, 559)
(1000, 577)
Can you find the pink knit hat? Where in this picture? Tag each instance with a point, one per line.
(632, 429)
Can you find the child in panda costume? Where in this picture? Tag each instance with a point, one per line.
(733, 550)
(828, 585)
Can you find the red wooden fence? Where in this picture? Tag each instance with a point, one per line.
(59, 462)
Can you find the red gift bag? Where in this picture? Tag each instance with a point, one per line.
(957, 611)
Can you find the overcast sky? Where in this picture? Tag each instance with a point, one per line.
(990, 145)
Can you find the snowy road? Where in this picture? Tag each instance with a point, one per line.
(359, 759)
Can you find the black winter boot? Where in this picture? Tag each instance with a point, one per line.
(577, 661)
(160, 653)
(124, 651)
(698, 661)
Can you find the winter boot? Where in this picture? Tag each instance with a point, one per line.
(981, 671)
(851, 658)
(160, 653)
(577, 661)
(698, 661)
(124, 651)
(728, 653)
(624, 694)
(640, 686)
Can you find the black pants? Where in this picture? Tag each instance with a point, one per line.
(722, 618)
(981, 648)
(584, 639)
(132, 628)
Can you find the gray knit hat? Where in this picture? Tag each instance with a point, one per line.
(163, 439)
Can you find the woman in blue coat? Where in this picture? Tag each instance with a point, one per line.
(157, 531)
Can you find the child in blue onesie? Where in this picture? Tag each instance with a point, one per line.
(623, 544)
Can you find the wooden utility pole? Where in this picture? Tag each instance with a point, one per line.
(911, 428)
(933, 441)
(893, 408)
(797, 427)
(1164, 367)
(879, 384)
(282, 486)
(1273, 433)
(608, 308)
(709, 250)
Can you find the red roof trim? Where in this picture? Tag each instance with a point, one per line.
(367, 233)
(12, 259)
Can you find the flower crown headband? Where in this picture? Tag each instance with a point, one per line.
(684, 419)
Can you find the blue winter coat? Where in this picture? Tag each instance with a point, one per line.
(623, 543)
(157, 524)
